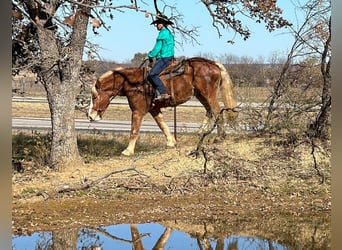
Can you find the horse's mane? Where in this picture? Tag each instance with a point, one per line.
(105, 75)
(133, 75)
(200, 59)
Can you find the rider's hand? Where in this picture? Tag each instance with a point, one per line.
(150, 62)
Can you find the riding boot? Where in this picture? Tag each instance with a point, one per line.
(163, 97)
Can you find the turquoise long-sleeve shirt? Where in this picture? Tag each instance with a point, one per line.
(164, 46)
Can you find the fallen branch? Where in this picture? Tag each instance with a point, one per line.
(87, 184)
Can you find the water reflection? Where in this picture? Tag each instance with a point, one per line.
(169, 235)
(136, 236)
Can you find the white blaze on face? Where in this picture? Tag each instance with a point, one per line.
(93, 115)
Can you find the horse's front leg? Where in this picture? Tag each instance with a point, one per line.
(158, 117)
(136, 121)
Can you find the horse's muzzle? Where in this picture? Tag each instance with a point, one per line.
(93, 117)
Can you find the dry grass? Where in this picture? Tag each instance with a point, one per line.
(268, 163)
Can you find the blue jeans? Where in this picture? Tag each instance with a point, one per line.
(153, 75)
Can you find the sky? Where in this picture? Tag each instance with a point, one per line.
(132, 33)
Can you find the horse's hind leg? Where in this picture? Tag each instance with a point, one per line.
(219, 119)
(213, 110)
(158, 117)
(207, 123)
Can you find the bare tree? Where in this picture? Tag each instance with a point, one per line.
(312, 44)
(321, 125)
(49, 38)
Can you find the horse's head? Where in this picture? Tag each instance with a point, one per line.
(98, 103)
(103, 89)
(109, 85)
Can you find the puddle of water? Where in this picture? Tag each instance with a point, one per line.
(142, 236)
(174, 235)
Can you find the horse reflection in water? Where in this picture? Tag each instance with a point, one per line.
(205, 79)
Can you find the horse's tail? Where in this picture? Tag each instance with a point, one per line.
(227, 92)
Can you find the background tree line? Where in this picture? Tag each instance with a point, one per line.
(245, 71)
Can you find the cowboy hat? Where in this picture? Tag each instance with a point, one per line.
(160, 18)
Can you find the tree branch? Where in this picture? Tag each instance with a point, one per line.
(86, 184)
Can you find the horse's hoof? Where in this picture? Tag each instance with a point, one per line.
(171, 143)
(127, 152)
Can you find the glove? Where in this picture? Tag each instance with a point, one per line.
(150, 62)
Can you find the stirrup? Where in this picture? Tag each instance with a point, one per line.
(163, 97)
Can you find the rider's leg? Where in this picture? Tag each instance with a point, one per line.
(153, 75)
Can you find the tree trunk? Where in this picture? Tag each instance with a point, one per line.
(65, 239)
(64, 151)
(59, 73)
(321, 125)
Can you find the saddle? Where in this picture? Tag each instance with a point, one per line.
(175, 68)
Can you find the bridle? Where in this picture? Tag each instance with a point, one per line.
(99, 90)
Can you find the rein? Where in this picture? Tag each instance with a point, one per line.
(143, 62)
(99, 90)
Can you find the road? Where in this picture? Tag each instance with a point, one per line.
(83, 125)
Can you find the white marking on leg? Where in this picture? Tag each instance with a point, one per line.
(170, 139)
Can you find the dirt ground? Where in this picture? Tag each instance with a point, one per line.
(242, 176)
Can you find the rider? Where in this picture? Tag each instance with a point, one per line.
(163, 50)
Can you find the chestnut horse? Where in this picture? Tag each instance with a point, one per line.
(205, 79)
